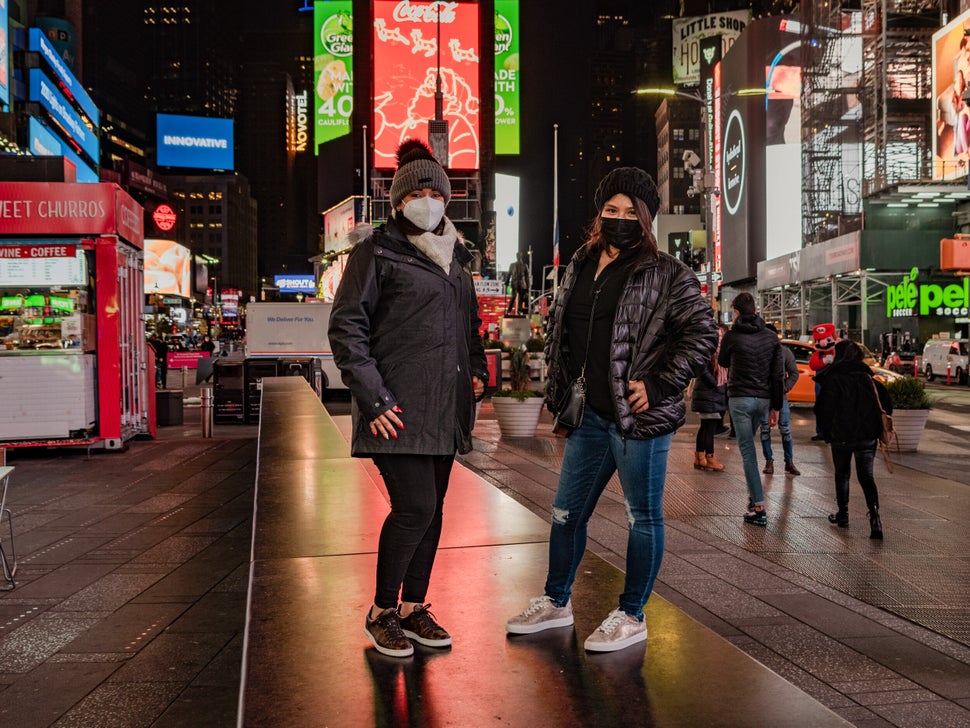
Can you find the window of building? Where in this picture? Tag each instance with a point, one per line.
(678, 135)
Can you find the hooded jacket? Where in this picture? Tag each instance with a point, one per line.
(752, 355)
(406, 334)
(663, 334)
(847, 410)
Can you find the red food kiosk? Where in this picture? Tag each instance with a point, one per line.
(74, 368)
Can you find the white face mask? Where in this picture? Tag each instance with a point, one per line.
(425, 212)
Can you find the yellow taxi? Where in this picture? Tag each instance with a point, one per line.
(804, 389)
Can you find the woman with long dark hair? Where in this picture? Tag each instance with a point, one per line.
(630, 320)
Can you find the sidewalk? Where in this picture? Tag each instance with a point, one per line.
(878, 632)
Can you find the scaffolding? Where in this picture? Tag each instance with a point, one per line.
(897, 59)
(831, 119)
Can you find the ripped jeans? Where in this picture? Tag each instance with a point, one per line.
(593, 453)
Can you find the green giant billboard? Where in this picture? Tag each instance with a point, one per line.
(506, 76)
(333, 69)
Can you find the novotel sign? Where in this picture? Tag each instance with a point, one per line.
(910, 299)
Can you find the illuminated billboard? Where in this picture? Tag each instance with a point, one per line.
(506, 220)
(63, 114)
(405, 71)
(333, 69)
(688, 34)
(951, 114)
(4, 55)
(507, 105)
(70, 86)
(199, 142)
(295, 283)
(168, 268)
(757, 144)
(338, 221)
(44, 143)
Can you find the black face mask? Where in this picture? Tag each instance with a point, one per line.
(620, 233)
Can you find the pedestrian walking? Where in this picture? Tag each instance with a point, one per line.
(407, 293)
(784, 418)
(709, 400)
(519, 281)
(632, 321)
(752, 355)
(849, 415)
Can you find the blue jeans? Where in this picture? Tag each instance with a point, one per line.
(746, 414)
(784, 426)
(593, 453)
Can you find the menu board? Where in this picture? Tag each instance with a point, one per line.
(41, 264)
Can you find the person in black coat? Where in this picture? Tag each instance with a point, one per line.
(404, 329)
(709, 400)
(752, 354)
(849, 417)
(632, 321)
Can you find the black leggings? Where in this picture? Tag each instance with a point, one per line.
(705, 436)
(865, 456)
(416, 485)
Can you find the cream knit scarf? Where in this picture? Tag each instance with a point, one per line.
(440, 248)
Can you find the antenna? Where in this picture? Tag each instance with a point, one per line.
(438, 127)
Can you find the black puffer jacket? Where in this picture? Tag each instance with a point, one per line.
(404, 333)
(663, 333)
(707, 397)
(847, 411)
(752, 354)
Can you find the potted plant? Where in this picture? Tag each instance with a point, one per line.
(535, 347)
(911, 408)
(517, 408)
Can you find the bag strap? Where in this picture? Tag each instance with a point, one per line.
(589, 329)
(876, 392)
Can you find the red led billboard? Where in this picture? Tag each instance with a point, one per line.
(405, 71)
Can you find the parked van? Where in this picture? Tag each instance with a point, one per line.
(938, 353)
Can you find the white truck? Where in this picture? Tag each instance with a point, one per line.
(292, 331)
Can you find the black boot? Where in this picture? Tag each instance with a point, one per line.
(875, 524)
(840, 519)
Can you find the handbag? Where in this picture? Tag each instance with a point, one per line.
(886, 434)
(573, 403)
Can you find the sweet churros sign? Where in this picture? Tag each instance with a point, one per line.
(63, 208)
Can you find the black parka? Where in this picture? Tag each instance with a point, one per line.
(753, 357)
(847, 410)
(663, 334)
(405, 333)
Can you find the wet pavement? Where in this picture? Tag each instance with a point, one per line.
(133, 571)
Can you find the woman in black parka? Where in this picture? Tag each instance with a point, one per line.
(850, 419)
(405, 334)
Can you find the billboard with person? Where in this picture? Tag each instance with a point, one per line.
(951, 113)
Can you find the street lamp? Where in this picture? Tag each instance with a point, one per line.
(704, 183)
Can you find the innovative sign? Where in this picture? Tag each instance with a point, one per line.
(909, 299)
(688, 33)
(406, 54)
(507, 105)
(333, 69)
(199, 142)
(295, 283)
(63, 114)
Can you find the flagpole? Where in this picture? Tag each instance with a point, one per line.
(365, 212)
(555, 209)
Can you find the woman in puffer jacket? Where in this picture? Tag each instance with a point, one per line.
(632, 321)
(709, 400)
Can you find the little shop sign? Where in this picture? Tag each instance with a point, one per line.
(925, 299)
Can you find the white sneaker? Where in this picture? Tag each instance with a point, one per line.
(541, 614)
(618, 630)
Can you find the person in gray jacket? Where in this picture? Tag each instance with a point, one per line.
(784, 418)
(405, 334)
(632, 321)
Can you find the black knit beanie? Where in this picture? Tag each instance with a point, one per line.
(629, 181)
(416, 169)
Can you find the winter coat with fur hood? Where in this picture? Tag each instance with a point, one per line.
(663, 334)
(405, 334)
